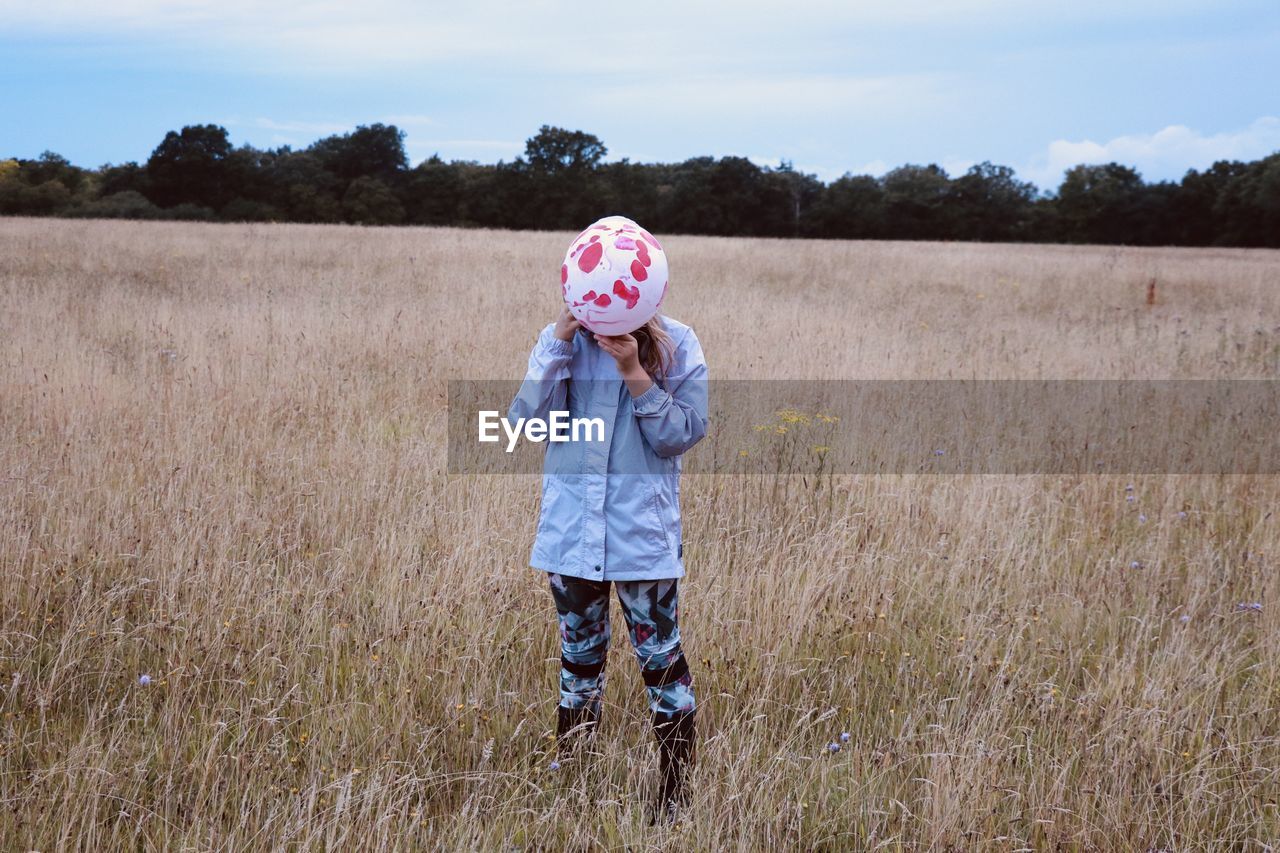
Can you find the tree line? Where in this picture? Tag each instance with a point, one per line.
(562, 182)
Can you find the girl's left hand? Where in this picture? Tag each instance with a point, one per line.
(624, 349)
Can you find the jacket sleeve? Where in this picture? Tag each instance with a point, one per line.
(674, 419)
(544, 386)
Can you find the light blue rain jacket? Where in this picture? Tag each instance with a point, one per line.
(611, 509)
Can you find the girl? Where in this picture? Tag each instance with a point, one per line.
(611, 514)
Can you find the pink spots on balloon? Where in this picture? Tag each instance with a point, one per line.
(649, 237)
(630, 294)
(589, 254)
(591, 297)
(590, 257)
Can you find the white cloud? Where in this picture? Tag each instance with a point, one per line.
(1165, 154)
(547, 35)
(325, 128)
(956, 166)
(318, 128)
(723, 97)
(774, 162)
(800, 77)
(388, 15)
(302, 133)
(403, 121)
(488, 144)
(308, 35)
(874, 168)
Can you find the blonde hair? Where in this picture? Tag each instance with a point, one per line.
(655, 348)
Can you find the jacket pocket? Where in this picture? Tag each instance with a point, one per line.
(663, 512)
(550, 493)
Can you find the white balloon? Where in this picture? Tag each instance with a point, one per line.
(614, 276)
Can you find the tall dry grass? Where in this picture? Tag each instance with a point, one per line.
(222, 462)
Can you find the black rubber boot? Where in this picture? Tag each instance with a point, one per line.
(572, 724)
(676, 753)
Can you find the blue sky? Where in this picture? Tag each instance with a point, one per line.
(832, 86)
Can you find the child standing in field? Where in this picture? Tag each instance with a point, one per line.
(610, 513)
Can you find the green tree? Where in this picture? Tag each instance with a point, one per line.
(126, 177)
(126, 204)
(853, 206)
(1099, 204)
(302, 188)
(731, 195)
(554, 150)
(915, 199)
(20, 198)
(800, 192)
(1193, 206)
(375, 151)
(556, 183)
(989, 203)
(561, 181)
(434, 192)
(191, 166)
(54, 167)
(368, 201)
(1246, 211)
(635, 189)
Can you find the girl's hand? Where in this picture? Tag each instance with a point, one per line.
(626, 352)
(566, 325)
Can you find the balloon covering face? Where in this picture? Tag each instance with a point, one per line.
(614, 276)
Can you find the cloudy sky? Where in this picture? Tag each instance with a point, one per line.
(832, 85)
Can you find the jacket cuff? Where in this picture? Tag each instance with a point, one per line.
(555, 346)
(650, 401)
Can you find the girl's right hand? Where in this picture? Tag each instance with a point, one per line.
(566, 325)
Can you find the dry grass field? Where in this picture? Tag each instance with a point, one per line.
(222, 465)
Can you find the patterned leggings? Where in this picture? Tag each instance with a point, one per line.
(650, 608)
